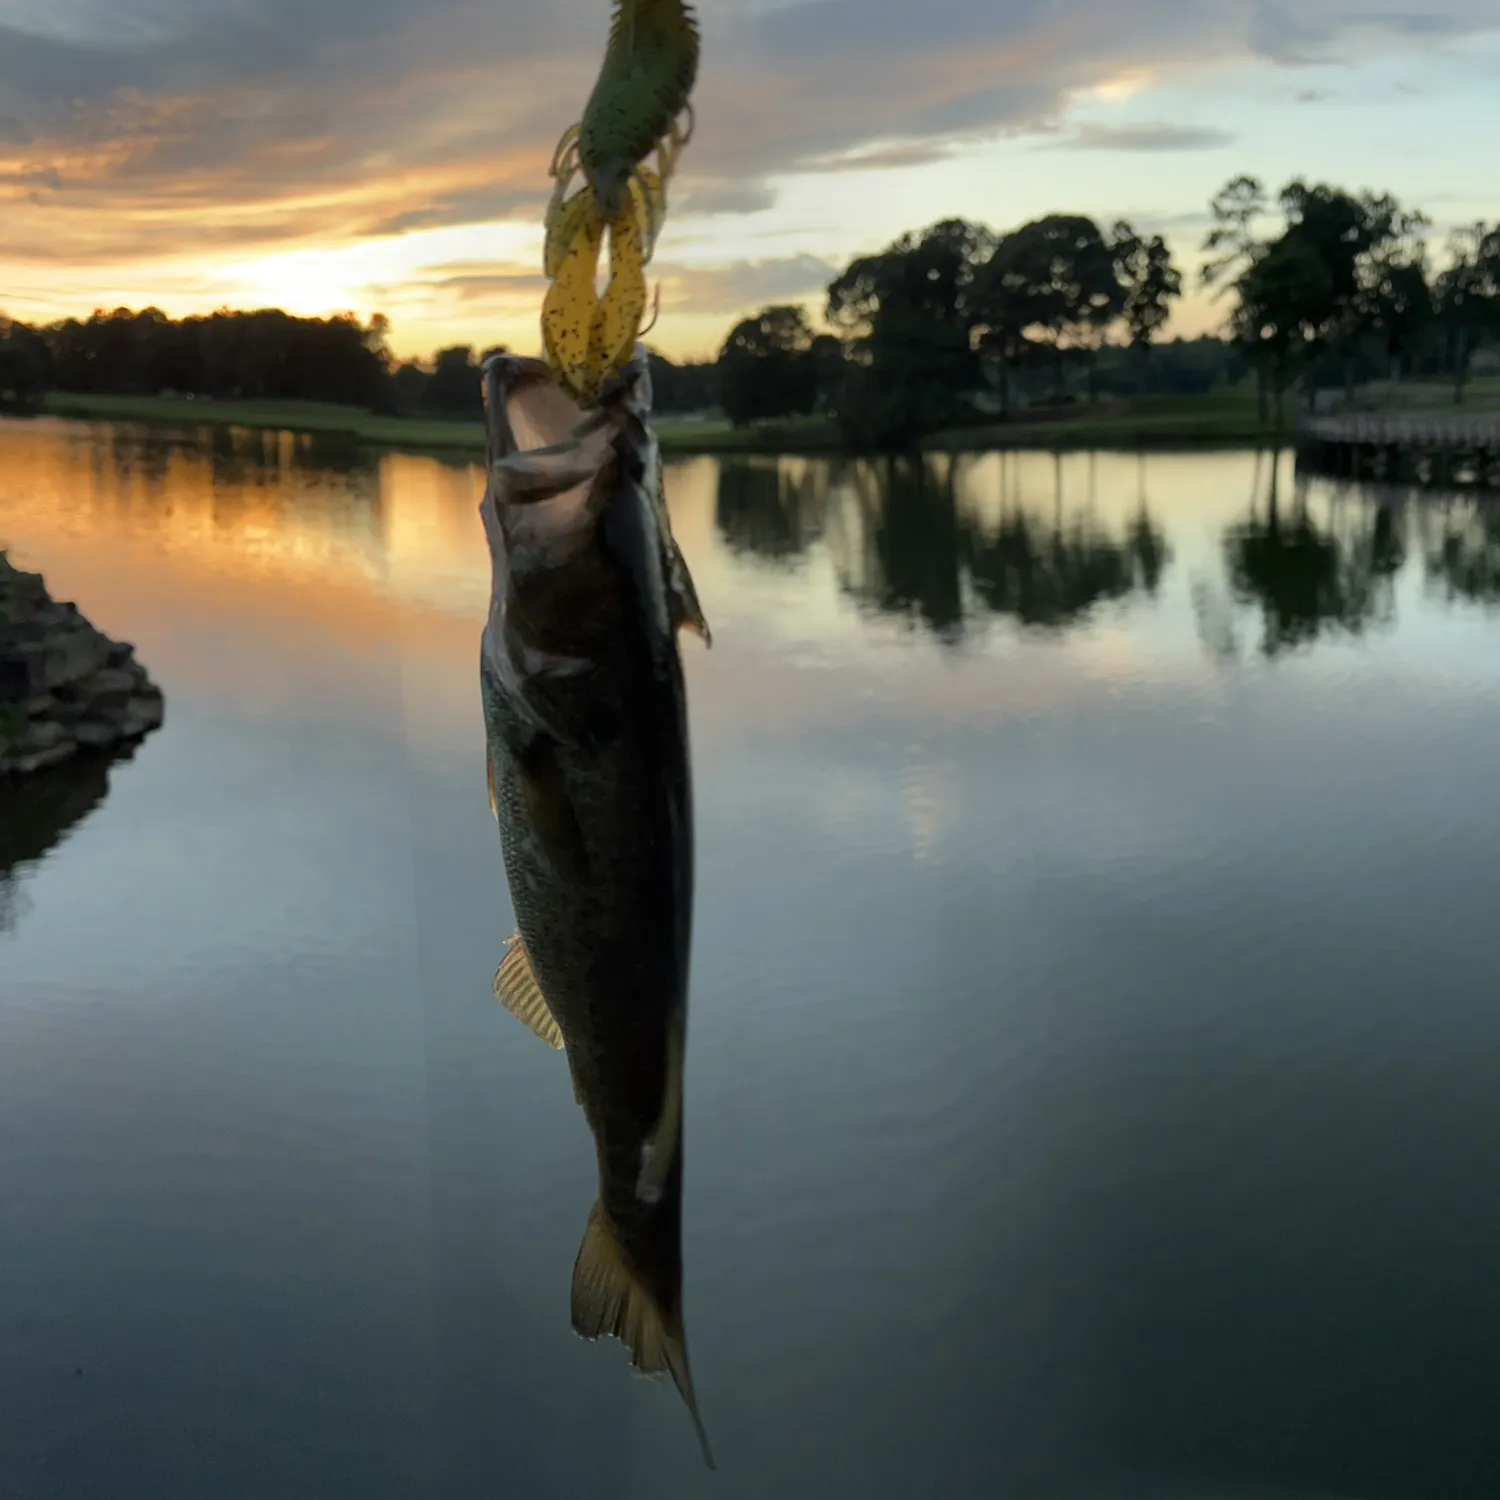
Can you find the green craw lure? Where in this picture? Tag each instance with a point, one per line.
(650, 66)
(637, 106)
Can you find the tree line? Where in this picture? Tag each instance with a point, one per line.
(947, 326)
(956, 323)
(267, 355)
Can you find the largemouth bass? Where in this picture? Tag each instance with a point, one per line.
(586, 721)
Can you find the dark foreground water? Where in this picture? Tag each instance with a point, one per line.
(1094, 1081)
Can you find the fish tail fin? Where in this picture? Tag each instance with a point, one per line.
(610, 1299)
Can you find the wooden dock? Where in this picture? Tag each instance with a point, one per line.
(1450, 452)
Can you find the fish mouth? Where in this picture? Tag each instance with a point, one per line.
(553, 472)
(526, 411)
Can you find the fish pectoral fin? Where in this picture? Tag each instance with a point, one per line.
(687, 613)
(609, 1300)
(557, 718)
(517, 989)
(550, 811)
(659, 1150)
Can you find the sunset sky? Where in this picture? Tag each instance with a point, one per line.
(391, 155)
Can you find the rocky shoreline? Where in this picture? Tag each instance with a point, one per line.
(65, 688)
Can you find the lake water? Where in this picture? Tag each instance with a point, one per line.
(1096, 1011)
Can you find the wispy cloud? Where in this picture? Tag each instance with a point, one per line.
(747, 283)
(1144, 137)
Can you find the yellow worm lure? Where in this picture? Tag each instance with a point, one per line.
(639, 106)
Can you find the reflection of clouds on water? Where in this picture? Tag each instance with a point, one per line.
(928, 793)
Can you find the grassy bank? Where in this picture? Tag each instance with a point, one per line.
(1227, 418)
(416, 434)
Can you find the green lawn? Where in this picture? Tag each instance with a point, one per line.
(1483, 395)
(1221, 417)
(1227, 417)
(321, 417)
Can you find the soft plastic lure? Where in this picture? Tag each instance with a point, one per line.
(639, 106)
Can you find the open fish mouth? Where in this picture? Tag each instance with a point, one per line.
(527, 412)
(553, 469)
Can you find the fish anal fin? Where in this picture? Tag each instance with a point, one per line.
(659, 1151)
(609, 1300)
(516, 988)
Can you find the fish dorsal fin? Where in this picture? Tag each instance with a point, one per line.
(659, 1150)
(609, 1300)
(516, 988)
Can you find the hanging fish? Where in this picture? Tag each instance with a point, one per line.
(586, 726)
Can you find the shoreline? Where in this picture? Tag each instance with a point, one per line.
(1160, 423)
(441, 435)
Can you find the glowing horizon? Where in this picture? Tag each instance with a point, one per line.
(200, 163)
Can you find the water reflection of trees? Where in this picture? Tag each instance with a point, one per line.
(36, 814)
(226, 478)
(911, 561)
(1308, 576)
(905, 542)
(1051, 573)
(1461, 551)
(771, 508)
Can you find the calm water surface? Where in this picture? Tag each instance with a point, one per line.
(1096, 1018)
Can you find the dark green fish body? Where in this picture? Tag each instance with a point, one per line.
(586, 722)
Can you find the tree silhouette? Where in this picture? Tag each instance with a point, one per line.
(25, 367)
(1284, 298)
(1307, 290)
(1151, 284)
(907, 319)
(1467, 296)
(692, 385)
(767, 368)
(265, 355)
(1395, 299)
(1055, 280)
(454, 388)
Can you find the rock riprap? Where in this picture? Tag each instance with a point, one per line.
(65, 688)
